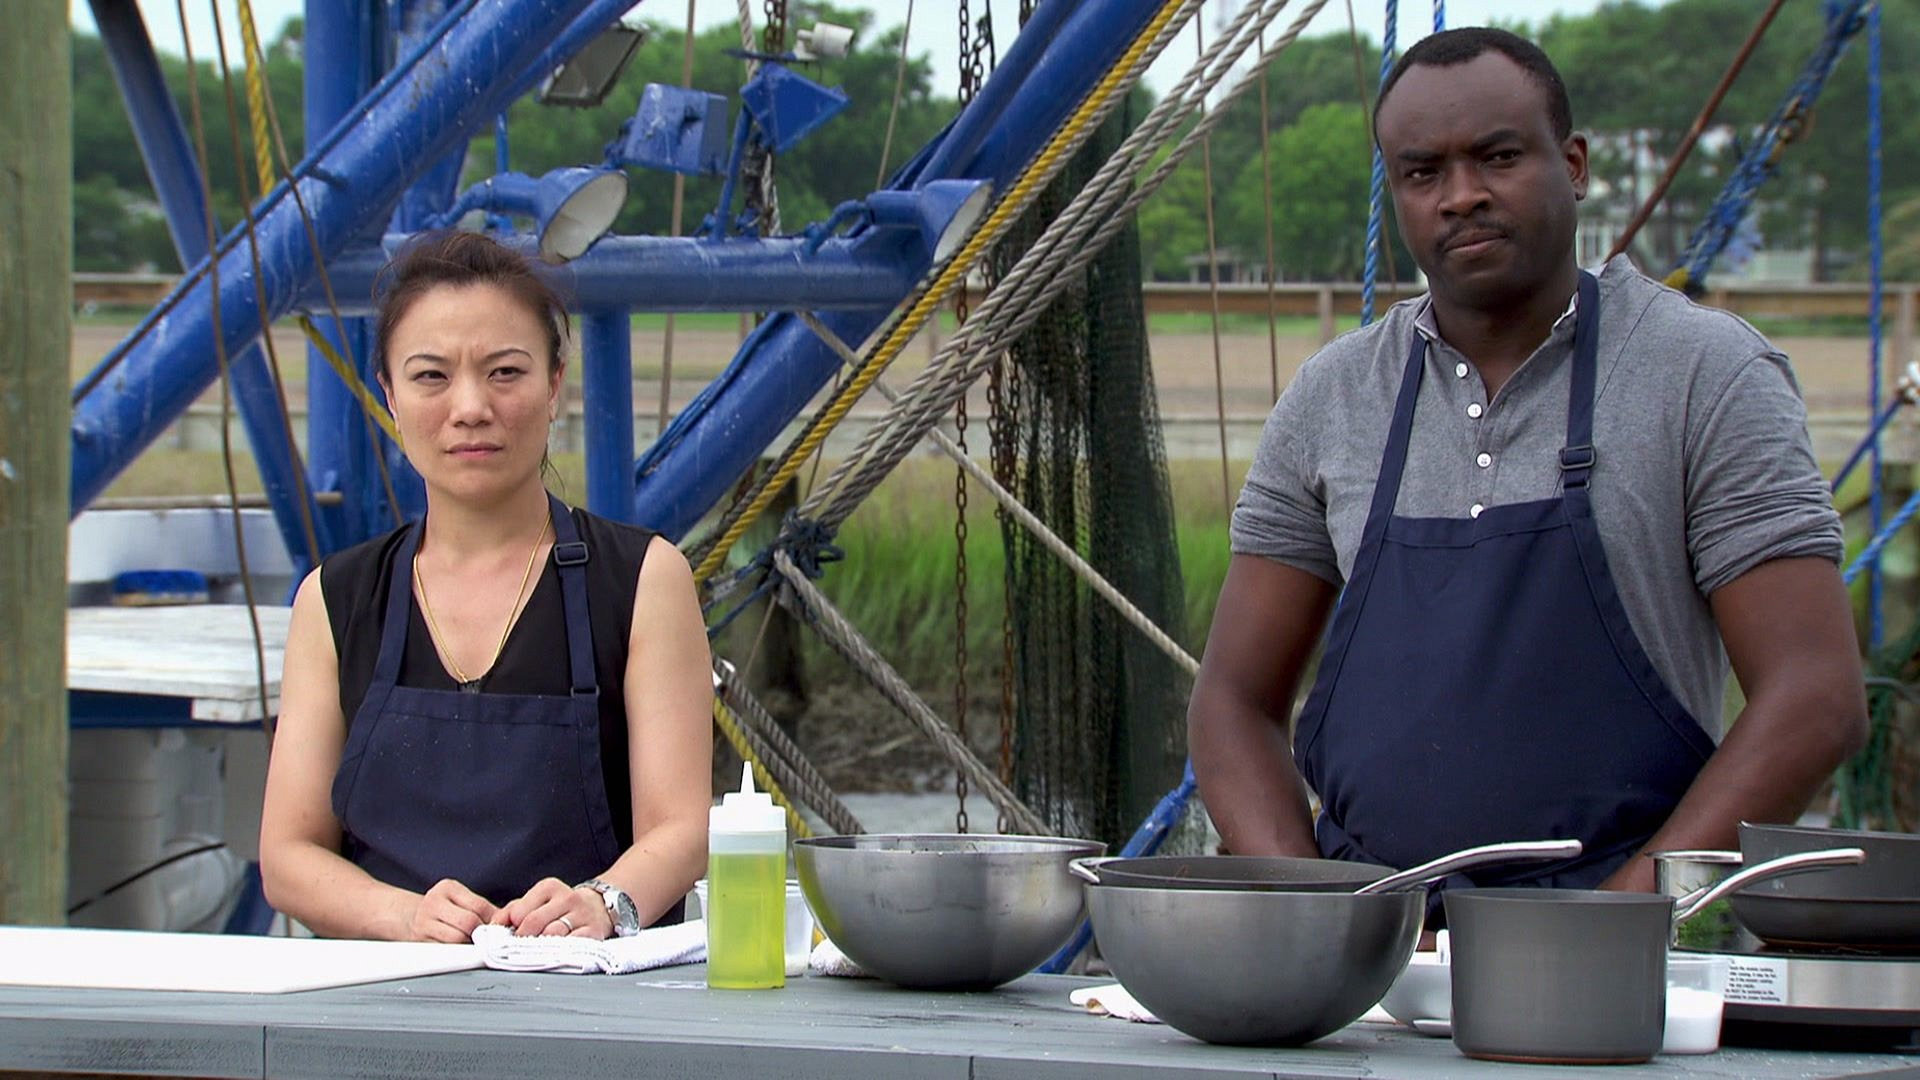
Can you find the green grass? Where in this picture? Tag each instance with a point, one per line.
(1201, 322)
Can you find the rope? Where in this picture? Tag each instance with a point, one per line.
(1213, 289)
(220, 356)
(1763, 157)
(1103, 207)
(1019, 512)
(1266, 209)
(1439, 15)
(786, 758)
(1679, 158)
(1877, 306)
(1377, 190)
(1078, 128)
(1871, 440)
(751, 751)
(893, 113)
(1870, 555)
(679, 211)
(806, 600)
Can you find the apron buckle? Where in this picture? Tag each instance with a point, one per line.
(1576, 462)
(570, 554)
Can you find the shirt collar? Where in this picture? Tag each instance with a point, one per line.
(1429, 328)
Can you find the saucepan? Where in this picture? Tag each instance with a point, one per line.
(1577, 975)
(1265, 966)
(1875, 905)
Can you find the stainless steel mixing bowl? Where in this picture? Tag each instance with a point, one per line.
(1250, 967)
(938, 912)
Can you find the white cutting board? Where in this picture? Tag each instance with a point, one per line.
(140, 960)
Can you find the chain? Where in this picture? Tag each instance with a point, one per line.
(1026, 11)
(761, 199)
(969, 83)
(773, 33)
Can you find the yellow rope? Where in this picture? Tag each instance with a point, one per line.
(730, 727)
(950, 278)
(263, 163)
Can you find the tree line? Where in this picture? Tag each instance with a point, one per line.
(1637, 75)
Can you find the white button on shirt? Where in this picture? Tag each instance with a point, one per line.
(1474, 410)
(1474, 510)
(1484, 460)
(1460, 370)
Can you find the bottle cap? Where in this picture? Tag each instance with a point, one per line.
(747, 810)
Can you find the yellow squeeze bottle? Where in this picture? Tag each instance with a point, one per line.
(746, 909)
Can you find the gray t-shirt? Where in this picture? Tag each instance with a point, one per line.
(1703, 465)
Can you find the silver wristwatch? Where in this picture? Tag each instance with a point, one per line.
(626, 917)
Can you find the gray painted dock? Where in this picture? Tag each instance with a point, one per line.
(486, 1024)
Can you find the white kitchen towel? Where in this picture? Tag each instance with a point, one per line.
(1112, 1000)
(827, 959)
(662, 946)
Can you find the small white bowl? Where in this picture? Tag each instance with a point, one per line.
(1424, 991)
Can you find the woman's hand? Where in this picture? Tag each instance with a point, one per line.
(449, 913)
(554, 908)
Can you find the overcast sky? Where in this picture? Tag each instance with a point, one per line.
(934, 29)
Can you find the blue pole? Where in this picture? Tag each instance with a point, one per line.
(975, 124)
(782, 365)
(658, 273)
(175, 174)
(341, 54)
(606, 387)
(1877, 306)
(1376, 196)
(348, 188)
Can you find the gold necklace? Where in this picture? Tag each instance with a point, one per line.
(426, 608)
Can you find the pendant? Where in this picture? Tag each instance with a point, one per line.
(471, 686)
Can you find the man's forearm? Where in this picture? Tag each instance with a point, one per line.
(1254, 794)
(1769, 768)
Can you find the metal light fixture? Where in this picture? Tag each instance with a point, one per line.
(584, 81)
(944, 211)
(571, 207)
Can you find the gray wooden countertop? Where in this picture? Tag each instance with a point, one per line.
(666, 1023)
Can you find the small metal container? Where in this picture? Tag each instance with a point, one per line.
(1715, 928)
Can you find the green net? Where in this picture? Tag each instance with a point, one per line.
(1100, 731)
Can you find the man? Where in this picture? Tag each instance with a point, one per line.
(1551, 509)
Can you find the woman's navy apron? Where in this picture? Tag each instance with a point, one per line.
(493, 790)
(1481, 682)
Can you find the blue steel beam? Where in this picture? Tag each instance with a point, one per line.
(652, 273)
(353, 182)
(340, 55)
(175, 174)
(782, 366)
(606, 388)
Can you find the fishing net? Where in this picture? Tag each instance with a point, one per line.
(1099, 731)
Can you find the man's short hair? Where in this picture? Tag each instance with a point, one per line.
(1450, 48)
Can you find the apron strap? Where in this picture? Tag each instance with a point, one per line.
(570, 560)
(1576, 458)
(393, 626)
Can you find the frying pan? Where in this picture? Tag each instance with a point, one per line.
(1245, 872)
(1875, 905)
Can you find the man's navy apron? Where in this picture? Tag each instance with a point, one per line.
(493, 790)
(1481, 682)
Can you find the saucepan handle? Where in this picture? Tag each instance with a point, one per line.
(1486, 855)
(1088, 868)
(1693, 903)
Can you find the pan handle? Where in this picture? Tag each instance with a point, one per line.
(1693, 903)
(1486, 855)
(1087, 869)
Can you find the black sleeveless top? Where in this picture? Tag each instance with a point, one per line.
(354, 584)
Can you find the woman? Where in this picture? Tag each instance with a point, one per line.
(500, 714)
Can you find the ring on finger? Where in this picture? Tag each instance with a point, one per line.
(568, 922)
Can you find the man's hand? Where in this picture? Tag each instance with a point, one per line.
(448, 913)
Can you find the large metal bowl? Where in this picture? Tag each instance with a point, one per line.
(1270, 874)
(1255, 968)
(937, 912)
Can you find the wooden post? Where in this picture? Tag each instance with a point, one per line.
(1903, 333)
(36, 325)
(1327, 325)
